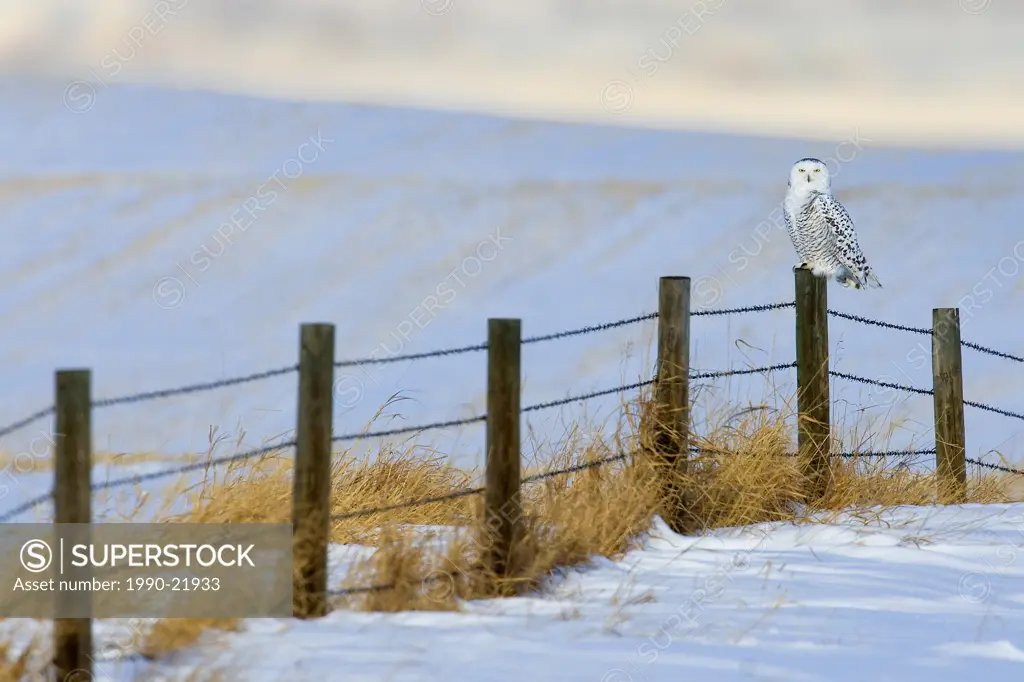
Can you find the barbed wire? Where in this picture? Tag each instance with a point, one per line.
(739, 372)
(475, 491)
(412, 356)
(587, 465)
(925, 332)
(990, 351)
(205, 386)
(194, 388)
(997, 410)
(31, 419)
(885, 453)
(135, 479)
(844, 455)
(593, 328)
(996, 467)
(879, 323)
(745, 309)
(883, 384)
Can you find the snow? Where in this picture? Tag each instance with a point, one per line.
(920, 593)
(407, 229)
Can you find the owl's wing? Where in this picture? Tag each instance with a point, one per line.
(847, 248)
(790, 216)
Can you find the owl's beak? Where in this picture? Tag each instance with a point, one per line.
(808, 177)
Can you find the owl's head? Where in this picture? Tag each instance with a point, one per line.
(810, 175)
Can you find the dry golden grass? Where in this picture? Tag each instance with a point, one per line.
(32, 661)
(170, 634)
(744, 475)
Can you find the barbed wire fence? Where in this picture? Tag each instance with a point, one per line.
(147, 396)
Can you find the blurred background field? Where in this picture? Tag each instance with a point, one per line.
(922, 72)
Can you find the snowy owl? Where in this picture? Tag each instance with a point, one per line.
(821, 229)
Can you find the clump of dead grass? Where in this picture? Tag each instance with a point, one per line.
(744, 473)
(170, 634)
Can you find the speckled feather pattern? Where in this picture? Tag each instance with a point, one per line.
(824, 236)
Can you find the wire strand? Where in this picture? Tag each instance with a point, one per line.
(990, 351)
(883, 384)
(31, 419)
(879, 323)
(746, 309)
(194, 388)
(996, 467)
(997, 410)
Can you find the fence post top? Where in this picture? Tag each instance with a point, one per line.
(675, 278)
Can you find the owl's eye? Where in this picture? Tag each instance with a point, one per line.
(817, 170)
(802, 170)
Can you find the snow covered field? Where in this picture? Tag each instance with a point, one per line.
(921, 593)
(164, 237)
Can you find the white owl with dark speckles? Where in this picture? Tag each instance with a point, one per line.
(822, 231)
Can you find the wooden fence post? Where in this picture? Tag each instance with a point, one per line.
(311, 496)
(72, 498)
(814, 423)
(672, 399)
(502, 501)
(948, 385)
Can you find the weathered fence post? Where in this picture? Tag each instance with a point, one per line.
(672, 399)
(948, 385)
(72, 498)
(311, 496)
(502, 502)
(814, 421)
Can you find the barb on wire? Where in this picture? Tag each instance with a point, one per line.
(591, 329)
(879, 323)
(736, 372)
(405, 505)
(586, 396)
(997, 410)
(883, 384)
(412, 356)
(746, 309)
(923, 331)
(194, 388)
(844, 455)
(483, 346)
(996, 467)
(22, 423)
(576, 467)
(408, 429)
(990, 351)
(884, 453)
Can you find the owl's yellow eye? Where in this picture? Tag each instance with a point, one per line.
(817, 170)
(801, 170)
